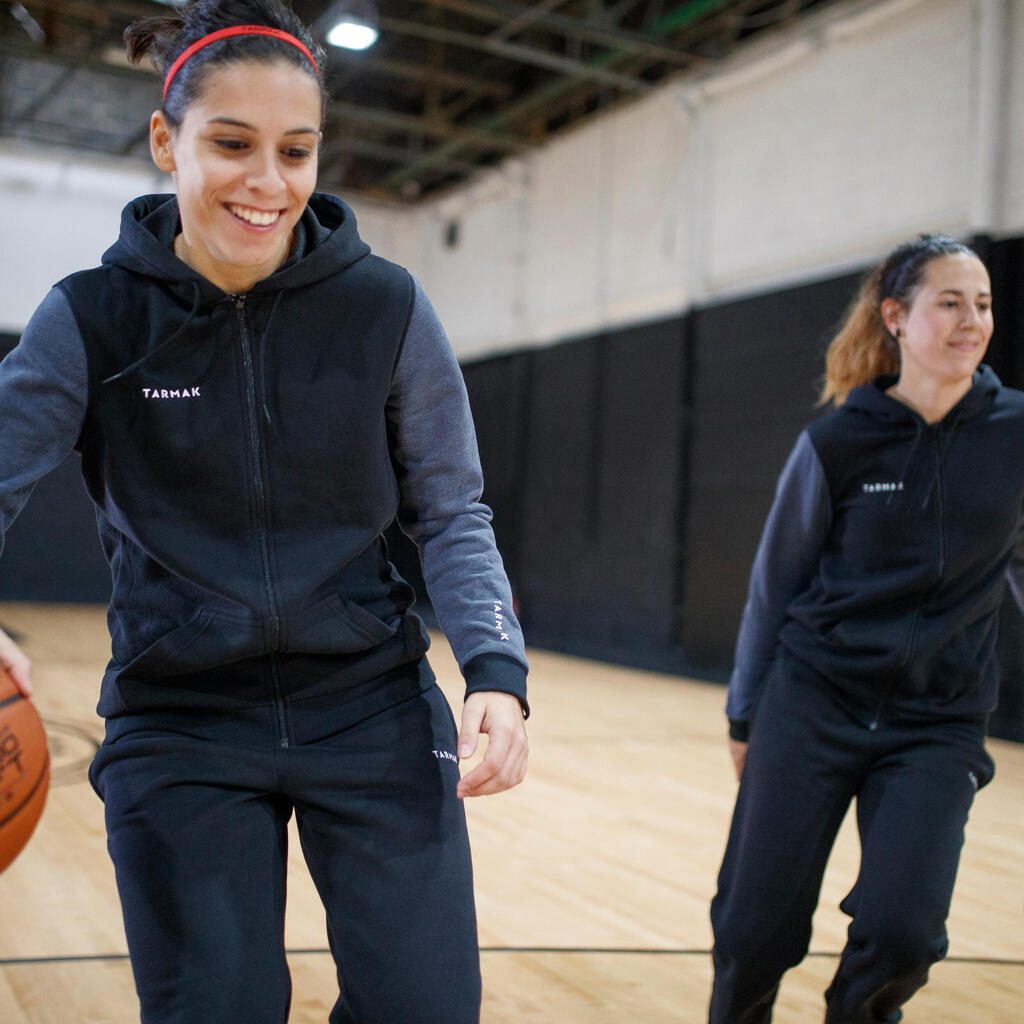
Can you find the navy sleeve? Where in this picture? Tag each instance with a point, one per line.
(43, 396)
(787, 559)
(434, 451)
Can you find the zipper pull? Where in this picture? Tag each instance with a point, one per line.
(239, 301)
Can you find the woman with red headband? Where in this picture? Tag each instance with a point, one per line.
(255, 398)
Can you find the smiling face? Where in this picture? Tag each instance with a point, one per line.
(244, 160)
(945, 330)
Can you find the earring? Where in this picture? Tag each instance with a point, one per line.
(899, 333)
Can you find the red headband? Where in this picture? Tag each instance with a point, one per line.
(236, 30)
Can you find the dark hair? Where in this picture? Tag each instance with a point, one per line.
(165, 38)
(863, 348)
(901, 272)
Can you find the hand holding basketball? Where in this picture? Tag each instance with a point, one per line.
(24, 759)
(15, 664)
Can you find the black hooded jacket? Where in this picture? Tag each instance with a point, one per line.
(884, 557)
(245, 454)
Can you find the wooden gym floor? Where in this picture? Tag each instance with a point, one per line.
(593, 878)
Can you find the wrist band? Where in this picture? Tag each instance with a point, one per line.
(236, 30)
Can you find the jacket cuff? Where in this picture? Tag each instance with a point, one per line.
(495, 672)
(739, 730)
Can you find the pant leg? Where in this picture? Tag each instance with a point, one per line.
(199, 852)
(386, 843)
(798, 780)
(911, 814)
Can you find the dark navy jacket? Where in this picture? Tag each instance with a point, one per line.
(245, 454)
(883, 560)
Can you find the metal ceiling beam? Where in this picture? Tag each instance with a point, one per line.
(32, 27)
(14, 51)
(527, 18)
(681, 18)
(616, 12)
(478, 138)
(419, 73)
(586, 30)
(515, 52)
(71, 67)
(390, 154)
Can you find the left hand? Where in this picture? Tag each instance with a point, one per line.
(15, 663)
(738, 751)
(500, 716)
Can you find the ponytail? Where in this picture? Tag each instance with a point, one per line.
(863, 348)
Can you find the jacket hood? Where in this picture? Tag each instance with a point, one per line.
(329, 243)
(872, 399)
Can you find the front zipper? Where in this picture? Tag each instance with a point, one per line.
(908, 649)
(262, 532)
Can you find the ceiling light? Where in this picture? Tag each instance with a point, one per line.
(352, 24)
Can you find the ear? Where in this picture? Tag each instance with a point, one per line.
(892, 315)
(161, 142)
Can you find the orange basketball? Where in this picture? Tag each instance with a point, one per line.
(24, 770)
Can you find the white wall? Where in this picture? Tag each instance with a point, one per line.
(801, 156)
(1013, 133)
(860, 137)
(58, 214)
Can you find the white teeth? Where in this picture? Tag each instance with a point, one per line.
(261, 218)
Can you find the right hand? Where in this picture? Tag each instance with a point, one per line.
(738, 751)
(15, 663)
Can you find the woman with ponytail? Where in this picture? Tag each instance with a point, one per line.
(865, 665)
(256, 397)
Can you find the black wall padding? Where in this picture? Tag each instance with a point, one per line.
(1005, 260)
(756, 377)
(581, 446)
(497, 395)
(52, 551)
(558, 521)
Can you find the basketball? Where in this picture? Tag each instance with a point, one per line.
(24, 770)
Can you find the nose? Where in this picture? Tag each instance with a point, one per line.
(972, 316)
(264, 174)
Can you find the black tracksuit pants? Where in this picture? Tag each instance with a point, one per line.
(808, 758)
(197, 806)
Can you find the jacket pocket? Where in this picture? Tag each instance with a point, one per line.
(337, 626)
(172, 653)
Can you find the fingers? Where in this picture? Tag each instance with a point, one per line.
(738, 751)
(16, 664)
(469, 734)
(504, 764)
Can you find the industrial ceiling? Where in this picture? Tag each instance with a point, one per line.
(449, 87)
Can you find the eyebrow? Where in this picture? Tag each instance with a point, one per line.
(956, 291)
(253, 128)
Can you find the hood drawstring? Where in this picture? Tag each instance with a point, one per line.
(918, 436)
(261, 347)
(944, 443)
(132, 367)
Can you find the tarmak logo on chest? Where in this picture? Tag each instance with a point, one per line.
(171, 393)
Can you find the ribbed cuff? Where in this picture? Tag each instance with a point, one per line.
(739, 730)
(495, 672)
